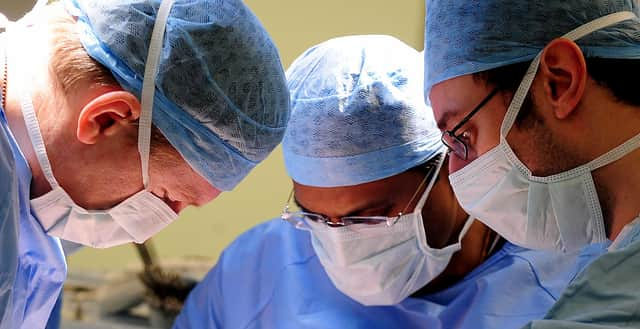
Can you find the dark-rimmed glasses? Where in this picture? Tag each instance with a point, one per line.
(456, 142)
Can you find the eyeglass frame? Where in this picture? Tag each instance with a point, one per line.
(452, 133)
(389, 221)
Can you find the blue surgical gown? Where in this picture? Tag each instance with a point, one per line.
(606, 294)
(32, 264)
(270, 277)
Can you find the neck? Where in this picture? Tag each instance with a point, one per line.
(15, 118)
(618, 183)
(476, 248)
(618, 186)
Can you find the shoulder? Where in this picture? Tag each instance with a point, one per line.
(514, 283)
(245, 277)
(256, 257)
(552, 270)
(7, 159)
(274, 242)
(612, 275)
(9, 194)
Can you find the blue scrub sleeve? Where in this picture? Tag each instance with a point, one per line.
(9, 221)
(56, 315)
(201, 308)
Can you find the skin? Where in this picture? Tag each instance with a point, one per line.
(91, 138)
(443, 216)
(574, 126)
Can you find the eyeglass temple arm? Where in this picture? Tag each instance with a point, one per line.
(472, 113)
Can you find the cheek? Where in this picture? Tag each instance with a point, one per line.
(523, 145)
(538, 151)
(205, 192)
(488, 136)
(194, 188)
(170, 177)
(455, 163)
(438, 219)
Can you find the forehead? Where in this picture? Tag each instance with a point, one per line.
(175, 171)
(452, 99)
(343, 199)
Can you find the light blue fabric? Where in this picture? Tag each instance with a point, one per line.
(464, 37)
(349, 98)
(270, 277)
(605, 295)
(55, 319)
(32, 264)
(9, 222)
(221, 97)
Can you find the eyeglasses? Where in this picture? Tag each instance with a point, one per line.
(457, 143)
(300, 219)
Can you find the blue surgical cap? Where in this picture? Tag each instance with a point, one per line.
(357, 112)
(464, 37)
(221, 98)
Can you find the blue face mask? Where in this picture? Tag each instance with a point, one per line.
(381, 264)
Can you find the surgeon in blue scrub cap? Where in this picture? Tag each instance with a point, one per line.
(378, 240)
(116, 115)
(538, 104)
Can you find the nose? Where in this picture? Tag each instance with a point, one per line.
(176, 206)
(335, 221)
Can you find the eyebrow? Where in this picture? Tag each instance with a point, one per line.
(381, 204)
(442, 122)
(467, 117)
(353, 212)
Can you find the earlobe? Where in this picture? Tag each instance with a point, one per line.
(106, 115)
(563, 71)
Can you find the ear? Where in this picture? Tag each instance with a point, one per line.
(106, 115)
(563, 71)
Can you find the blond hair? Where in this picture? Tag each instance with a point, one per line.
(71, 65)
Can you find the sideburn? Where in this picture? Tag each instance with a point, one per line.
(537, 147)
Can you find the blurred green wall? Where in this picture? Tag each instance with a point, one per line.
(294, 25)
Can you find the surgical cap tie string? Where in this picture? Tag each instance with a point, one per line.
(523, 90)
(31, 122)
(575, 34)
(149, 87)
(28, 110)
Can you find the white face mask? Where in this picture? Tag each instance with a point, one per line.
(559, 212)
(380, 264)
(133, 220)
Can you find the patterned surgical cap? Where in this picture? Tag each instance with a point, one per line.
(358, 114)
(221, 98)
(464, 37)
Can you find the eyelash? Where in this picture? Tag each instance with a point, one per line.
(465, 135)
(376, 211)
